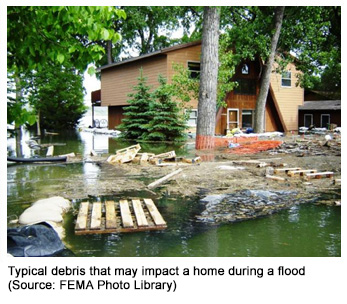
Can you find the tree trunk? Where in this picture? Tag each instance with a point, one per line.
(17, 127)
(208, 80)
(259, 123)
(109, 51)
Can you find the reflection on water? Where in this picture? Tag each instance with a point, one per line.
(303, 230)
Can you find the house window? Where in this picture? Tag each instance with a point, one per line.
(193, 117)
(245, 87)
(247, 118)
(308, 120)
(287, 79)
(194, 69)
(245, 69)
(325, 120)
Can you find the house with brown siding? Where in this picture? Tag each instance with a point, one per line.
(118, 80)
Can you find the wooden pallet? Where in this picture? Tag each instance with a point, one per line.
(319, 175)
(123, 216)
(124, 155)
(292, 173)
(285, 170)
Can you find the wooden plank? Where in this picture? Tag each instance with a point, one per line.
(144, 158)
(50, 151)
(124, 150)
(139, 213)
(95, 221)
(126, 215)
(157, 218)
(300, 172)
(327, 174)
(281, 179)
(166, 155)
(81, 222)
(286, 170)
(163, 179)
(111, 221)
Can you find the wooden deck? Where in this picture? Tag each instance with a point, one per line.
(123, 216)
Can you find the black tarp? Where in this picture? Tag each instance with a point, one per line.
(33, 241)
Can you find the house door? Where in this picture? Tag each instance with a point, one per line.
(232, 119)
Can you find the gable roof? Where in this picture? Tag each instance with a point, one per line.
(321, 105)
(160, 52)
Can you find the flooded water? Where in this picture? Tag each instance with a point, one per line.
(304, 230)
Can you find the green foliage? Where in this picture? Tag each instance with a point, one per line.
(153, 116)
(56, 93)
(184, 87)
(64, 35)
(137, 114)
(168, 121)
(58, 33)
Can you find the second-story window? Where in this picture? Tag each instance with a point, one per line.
(245, 87)
(286, 79)
(194, 69)
(245, 69)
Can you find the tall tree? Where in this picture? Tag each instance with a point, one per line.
(208, 79)
(137, 114)
(56, 95)
(259, 122)
(168, 121)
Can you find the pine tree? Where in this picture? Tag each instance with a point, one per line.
(136, 118)
(168, 121)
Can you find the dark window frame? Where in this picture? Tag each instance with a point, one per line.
(194, 69)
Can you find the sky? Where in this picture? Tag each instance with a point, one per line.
(91, 83)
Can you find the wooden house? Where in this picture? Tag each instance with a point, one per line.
(118, 80)
(320, 113)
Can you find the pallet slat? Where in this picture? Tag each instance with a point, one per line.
(95, 221)
(157, 218)
(126, 215)
(111, 221)
(81, 222)
(139, 214)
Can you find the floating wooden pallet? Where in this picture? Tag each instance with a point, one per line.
(123, 216)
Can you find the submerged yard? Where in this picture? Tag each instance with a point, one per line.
(255, 216)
